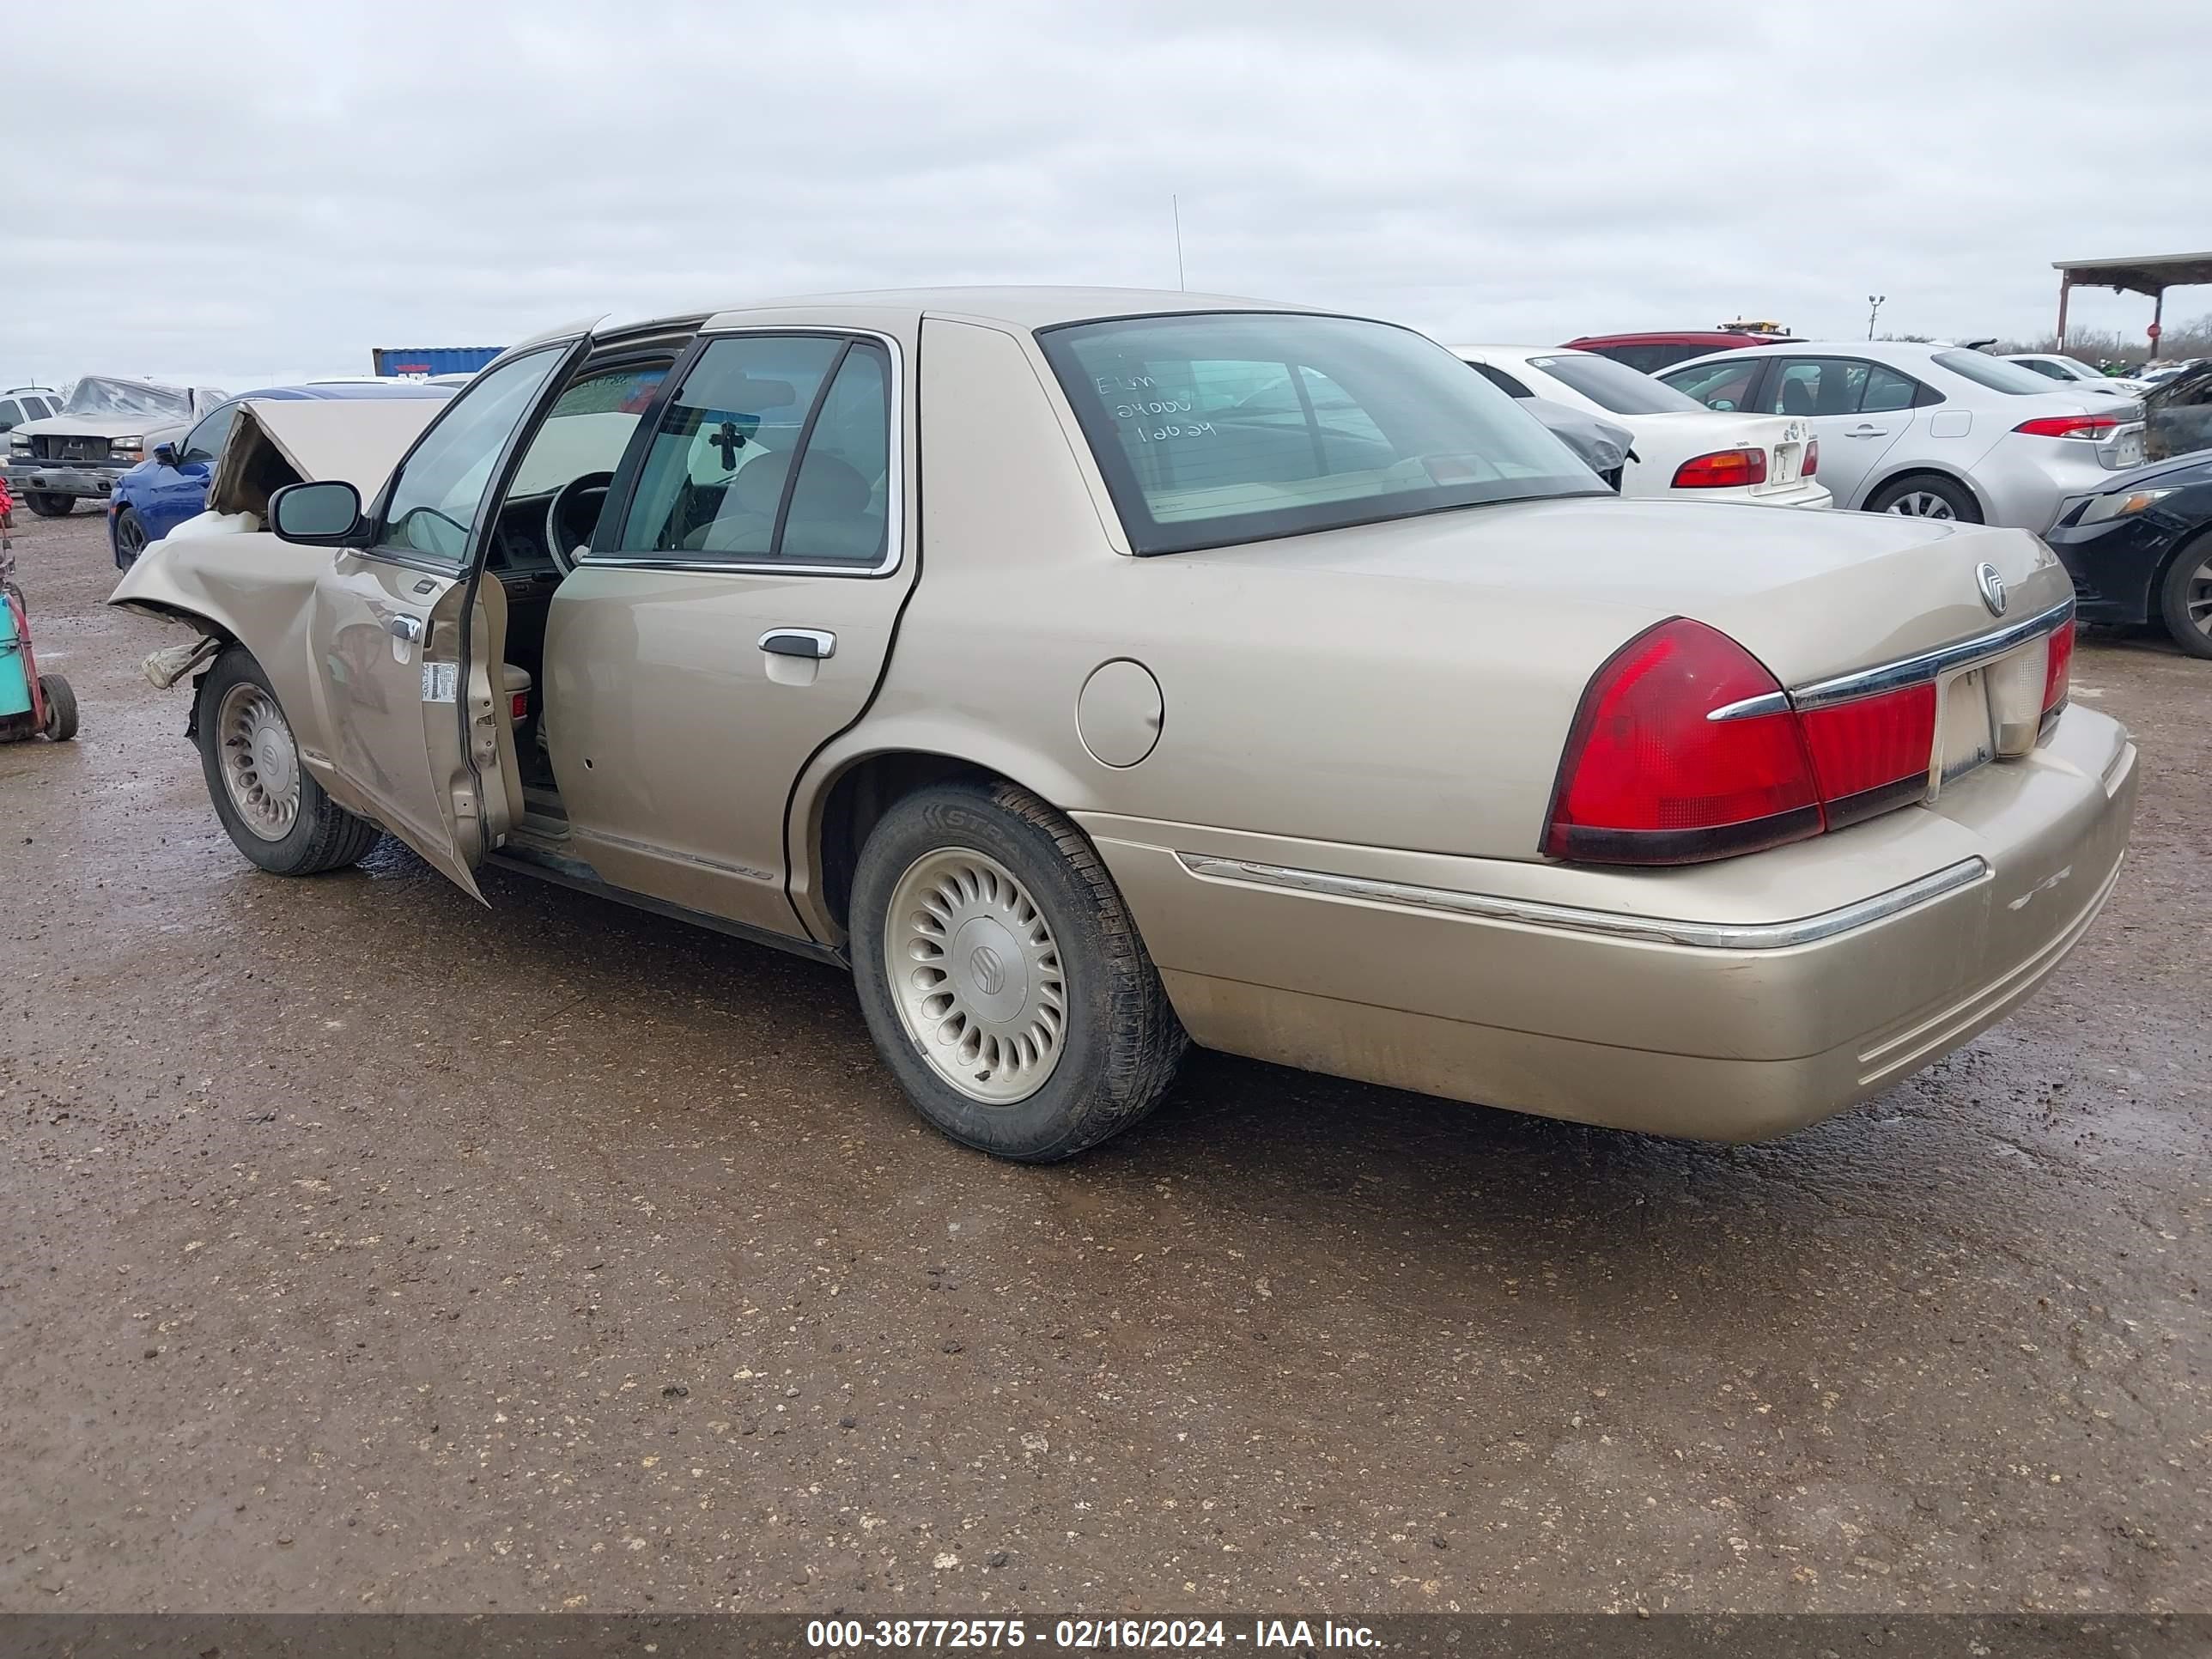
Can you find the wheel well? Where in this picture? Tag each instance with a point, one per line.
(2153, 608)
(858, 799)
(1904, 473)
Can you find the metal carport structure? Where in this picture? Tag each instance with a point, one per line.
(2152, 274)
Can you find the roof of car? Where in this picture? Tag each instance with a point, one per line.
(1523, 351)
(1019, 308)
(324, 389)
(1716, 337)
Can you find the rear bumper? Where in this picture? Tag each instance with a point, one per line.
(1814, 976)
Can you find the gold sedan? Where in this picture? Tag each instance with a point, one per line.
(1094, 670)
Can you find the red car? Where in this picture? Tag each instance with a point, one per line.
(1652, 352)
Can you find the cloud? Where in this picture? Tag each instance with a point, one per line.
(283, 187)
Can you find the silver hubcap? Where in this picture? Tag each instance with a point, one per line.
(2197, 601)
(975, 975)
(260, 762)
(1922, 504)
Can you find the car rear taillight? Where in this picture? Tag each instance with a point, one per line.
(1872, 753)
(1651, 777)
(2059, 669)
(1685, 748)
(519, 705)
(1812, 458)
(2092, 427)
(1724, 469)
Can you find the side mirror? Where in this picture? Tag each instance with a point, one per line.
(165, 454)
(1725, 405)
(323, 515)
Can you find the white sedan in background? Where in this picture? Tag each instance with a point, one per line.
(1930, 431)
(2073, 373)
(1682, 448)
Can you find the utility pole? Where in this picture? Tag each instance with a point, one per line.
(1874, 306)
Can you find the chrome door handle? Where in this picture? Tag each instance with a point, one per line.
(401, 626)
(1867, 432)
(815, 644)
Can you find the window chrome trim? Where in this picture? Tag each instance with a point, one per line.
(1567, 918)
(1932, 665)
(894, 484)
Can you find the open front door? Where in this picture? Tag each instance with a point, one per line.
(410, 654)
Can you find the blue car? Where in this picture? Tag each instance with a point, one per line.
(156, 496)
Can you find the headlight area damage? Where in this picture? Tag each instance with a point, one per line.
(205, 570)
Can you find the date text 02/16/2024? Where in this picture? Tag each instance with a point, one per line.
(851, 1635)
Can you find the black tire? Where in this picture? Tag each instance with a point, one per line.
(324, 836)
(129, 537)
(61, 708)
(1953, 494)
(1121, 1040)
(2190, 576)
(47, 505)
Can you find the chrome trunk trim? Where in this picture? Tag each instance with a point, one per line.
(1916, 670)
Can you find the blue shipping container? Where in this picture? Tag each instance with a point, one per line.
(432, 360)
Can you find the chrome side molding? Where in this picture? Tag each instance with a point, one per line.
(1567, 918)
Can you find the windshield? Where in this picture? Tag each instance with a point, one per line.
(95, 396)
(1216, 428)
(1994, 373)
(1615, 386)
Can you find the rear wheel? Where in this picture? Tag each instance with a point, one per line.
(48, 505)
(1002, 977)
(276, 813)
(61, 708)
(2185, 597)
(130, 538)
(1926, 496)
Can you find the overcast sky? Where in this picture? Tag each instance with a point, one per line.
(233, 193)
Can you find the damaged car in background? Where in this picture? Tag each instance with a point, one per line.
(100, 435)
(1030, 654)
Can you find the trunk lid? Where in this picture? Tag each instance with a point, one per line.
(1814, 596)
(1782, 439)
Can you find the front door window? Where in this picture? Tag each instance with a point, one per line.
(439, 492)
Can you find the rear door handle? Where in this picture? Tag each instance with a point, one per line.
(1867, 432)
(815, 644)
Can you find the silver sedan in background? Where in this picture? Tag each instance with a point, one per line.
(1934, 431)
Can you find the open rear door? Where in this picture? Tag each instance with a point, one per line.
(409, 654)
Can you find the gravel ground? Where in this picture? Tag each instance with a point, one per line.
(363, 1248)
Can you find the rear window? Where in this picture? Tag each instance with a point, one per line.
(1995, 373)
(1615, 387)
(1217, 427)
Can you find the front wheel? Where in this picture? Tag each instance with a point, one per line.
(276, 813)
(2185, 597)
(1002, 977)
(48, 505)
(1925, 495)
(129, 537)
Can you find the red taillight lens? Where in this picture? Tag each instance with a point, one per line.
(1871, 754)
(1812, 458)
(1724, 469)
(520, 706)
(1649, 779)
(2058, 667)
(2069, 426)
